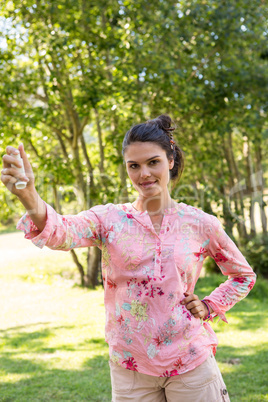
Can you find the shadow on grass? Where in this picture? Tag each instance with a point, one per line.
(35, 341)
(92, 383)
(245, 379)
(36, 378)
(245, 371)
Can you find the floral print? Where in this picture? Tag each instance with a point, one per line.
(145, 275)
(138, 310)
(130, 364)
(144, 287)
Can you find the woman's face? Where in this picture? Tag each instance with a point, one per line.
(148, 168)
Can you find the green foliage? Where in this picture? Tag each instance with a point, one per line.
(65, 63)
(260, 289)
(210, 266)
(256, 253)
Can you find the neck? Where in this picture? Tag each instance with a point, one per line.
(154, 205)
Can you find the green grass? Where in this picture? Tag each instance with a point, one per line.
(52, 337)
(48, 269)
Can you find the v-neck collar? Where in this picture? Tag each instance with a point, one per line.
(167, 211)
(144, 218)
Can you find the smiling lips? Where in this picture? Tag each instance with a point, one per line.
(147, 184)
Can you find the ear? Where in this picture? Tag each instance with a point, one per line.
(171, 163)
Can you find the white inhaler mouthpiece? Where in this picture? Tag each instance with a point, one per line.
(20, 184)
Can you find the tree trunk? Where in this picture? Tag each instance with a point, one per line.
(81, 184)
(123, 190)
(236, 187)
(56, 198)
(93, 266)
(240, 187)
(260, 186)
(227, 208)
(227, 216)
(79, 267)
(100, 140)
(250, 185)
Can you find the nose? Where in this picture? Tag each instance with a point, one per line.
(145, 172)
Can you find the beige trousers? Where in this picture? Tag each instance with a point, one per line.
(203, 384)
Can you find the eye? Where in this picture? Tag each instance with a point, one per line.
(133, 166)
(154, 162)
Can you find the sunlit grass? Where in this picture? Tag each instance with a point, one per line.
(48, 269)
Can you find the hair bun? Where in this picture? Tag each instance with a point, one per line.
(164, 122)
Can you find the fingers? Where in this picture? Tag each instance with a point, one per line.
(11, 150)
(8, 179)
(9, 160)
(13, 172)
(190, 296)
(198, 312)
(27, 165)
(194, 305)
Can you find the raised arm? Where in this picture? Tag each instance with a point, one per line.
(42, 224)
(27, 196)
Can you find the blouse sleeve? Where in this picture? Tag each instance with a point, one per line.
(64, 232)
(232, 263)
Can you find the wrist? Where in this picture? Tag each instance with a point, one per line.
(207, 310)
(30, 199)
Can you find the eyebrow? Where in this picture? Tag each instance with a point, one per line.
(156, 156)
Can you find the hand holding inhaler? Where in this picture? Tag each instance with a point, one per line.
(18, 170)
(17, 174)
(20, 184)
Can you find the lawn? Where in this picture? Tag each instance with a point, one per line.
(52, 336)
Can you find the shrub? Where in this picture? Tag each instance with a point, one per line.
(210, 266)
(256, 253)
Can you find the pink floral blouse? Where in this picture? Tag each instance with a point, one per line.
(145, 276)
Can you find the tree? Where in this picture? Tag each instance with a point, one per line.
(76, 74)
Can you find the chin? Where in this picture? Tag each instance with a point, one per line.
(152, 193)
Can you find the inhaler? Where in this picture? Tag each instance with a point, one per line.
(20, 184)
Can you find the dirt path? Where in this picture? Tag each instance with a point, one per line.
(13, 246)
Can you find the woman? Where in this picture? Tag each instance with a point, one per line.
(161, 348)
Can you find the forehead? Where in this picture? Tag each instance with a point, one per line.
(139, 151)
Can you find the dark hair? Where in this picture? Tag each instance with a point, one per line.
(158, 130)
